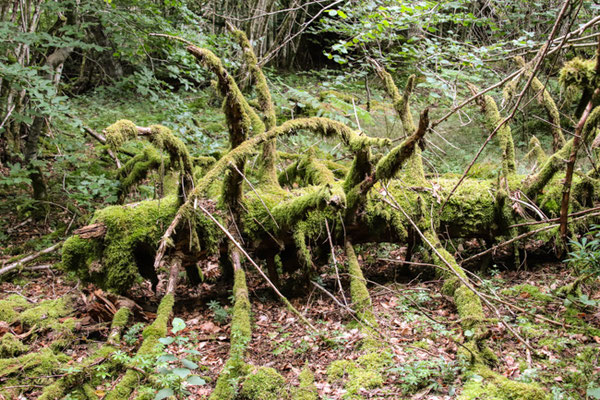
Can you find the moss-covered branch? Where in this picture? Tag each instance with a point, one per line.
(151, 334)
(536, 154)
(391, 163)
(556, 162)
(265, 104)
(402, 107)
(138, 167)
(492, 120)
(546, 100)
(241, 334)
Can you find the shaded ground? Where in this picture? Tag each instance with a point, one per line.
(418, 323)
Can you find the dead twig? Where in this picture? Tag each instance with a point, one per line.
(28, 258)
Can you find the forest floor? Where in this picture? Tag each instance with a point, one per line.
(418, 324)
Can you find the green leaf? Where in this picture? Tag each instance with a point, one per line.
(166, 340)
(195, 380)
(181, 372)
(332, 13)
(469, 333)
(166, 358)
(163, 394)
(189, 364)
(594, 393)
(178, 325)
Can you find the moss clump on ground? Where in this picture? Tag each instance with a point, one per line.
(10, 346)
(307, 389)
(11, 307)
(50, 314)
(264, 384)
(362, 375)
(46, 315)
(493, 386)
(33, 368)
(527, 291)
(120, 132)
(85, 368)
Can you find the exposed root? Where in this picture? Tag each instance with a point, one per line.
(151, 334)
(235, 368)
(85, 368)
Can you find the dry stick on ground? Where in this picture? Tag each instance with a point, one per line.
(339, 303)
(538, 316)
(541, 55)
(414, 303)
(352, 312)
(28, 258)
(260, 271)
(467, 284)
(564, 206)
(575, 214)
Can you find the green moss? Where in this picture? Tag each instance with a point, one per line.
(138, 168)
(85, 368)
(556, 162)
(50, 314)
(547, 101)
(579, 73)
(361, 300)
(241, 334)
(11, 307)
(390, 164)
(119, 322)
(532, 291)
(287, 213)
(120, 318)
(493, 119)
(358, 378)
(536, 153)
(110, 262)
(264, 384)
(120, 132)
(494, 386)
(322, 126)
(307, 389)
(150, 345)
(10, 346)
(37, 367)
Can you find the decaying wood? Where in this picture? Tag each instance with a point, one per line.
(91, 231)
